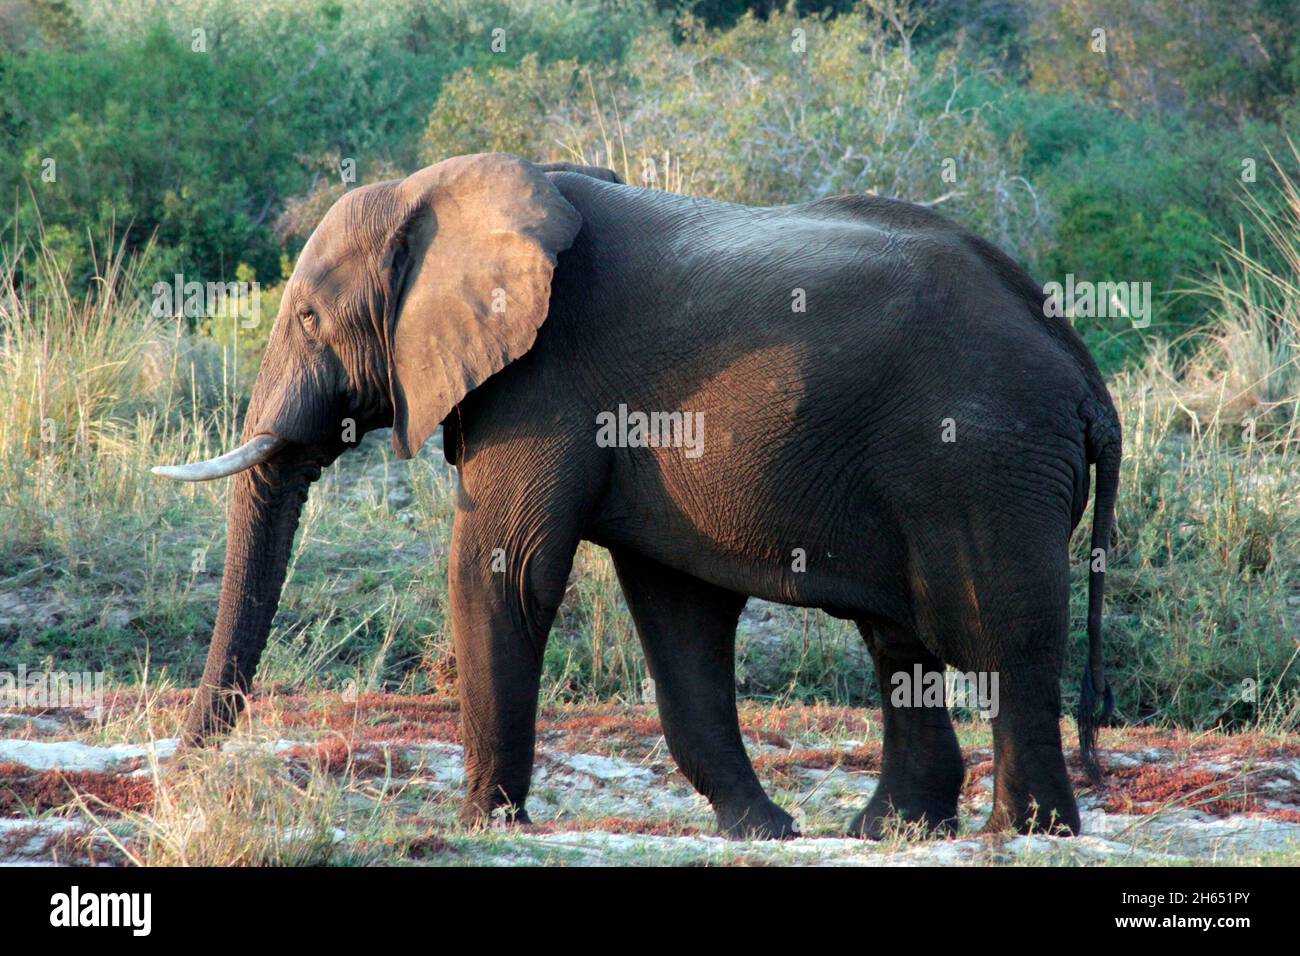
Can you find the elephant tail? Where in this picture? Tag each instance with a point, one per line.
(1105, 449)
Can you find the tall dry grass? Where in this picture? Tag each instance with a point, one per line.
(102, 564)
(1204, 592)
(95, 390)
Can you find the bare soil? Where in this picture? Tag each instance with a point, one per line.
(606, 792)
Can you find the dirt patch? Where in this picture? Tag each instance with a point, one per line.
(605, 790)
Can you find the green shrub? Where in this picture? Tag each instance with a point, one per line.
(199, 140)
(772, 111)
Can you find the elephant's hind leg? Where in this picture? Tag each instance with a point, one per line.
(1031, 787)
(921, 770)
(1001, 613)
(688, 630)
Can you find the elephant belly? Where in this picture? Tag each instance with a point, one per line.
(820, 488)
(764, 502)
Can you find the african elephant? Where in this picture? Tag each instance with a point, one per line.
(886, 426)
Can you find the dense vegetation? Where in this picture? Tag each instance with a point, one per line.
(207, 136)
(220, 129)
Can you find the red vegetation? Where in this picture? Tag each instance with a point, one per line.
(422, 846)
(802, 721)
(67, 848)
(977, 772)
(1183, 743)
(377, 717)
(365, 737)
(1150, 788)
(1188, 785)
(625, 825)
(23, 790)
(866, 757)
(337, 756)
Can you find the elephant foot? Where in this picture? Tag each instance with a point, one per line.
(475, 816)
(1032, 818)
(886, 816)
(1031, 793)
(756, 821)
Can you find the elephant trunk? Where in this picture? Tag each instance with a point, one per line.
(264, 513)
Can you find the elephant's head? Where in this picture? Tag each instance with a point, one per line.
(407, 296)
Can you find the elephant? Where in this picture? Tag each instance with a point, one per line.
(885, 424)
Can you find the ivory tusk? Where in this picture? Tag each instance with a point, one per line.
(252, 452)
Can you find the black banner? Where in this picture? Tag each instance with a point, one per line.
(303, 906)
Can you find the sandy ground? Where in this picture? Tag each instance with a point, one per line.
(605, 791)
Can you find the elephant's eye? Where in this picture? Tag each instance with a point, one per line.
(309, 321)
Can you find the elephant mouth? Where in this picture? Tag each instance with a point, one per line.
(256, 450)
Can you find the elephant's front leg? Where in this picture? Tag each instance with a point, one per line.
(688, 630)
(506, 583)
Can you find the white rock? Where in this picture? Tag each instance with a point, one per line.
(71, 755)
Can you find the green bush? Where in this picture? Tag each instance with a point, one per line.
(199, 139)
(772, 111)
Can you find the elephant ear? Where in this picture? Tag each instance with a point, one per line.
(470, 270)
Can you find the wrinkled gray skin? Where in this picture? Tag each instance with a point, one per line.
(515, 302)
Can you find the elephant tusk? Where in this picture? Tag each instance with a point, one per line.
(252, 452)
